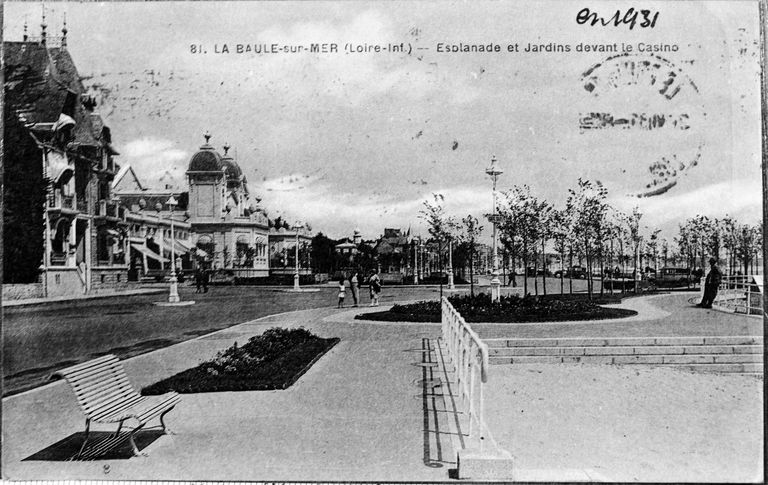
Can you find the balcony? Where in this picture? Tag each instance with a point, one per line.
(62, 203)
(58, 258)
(109, 210)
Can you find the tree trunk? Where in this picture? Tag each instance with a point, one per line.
(543, 267)
(570, 271)
(525, 269)
(472, 271)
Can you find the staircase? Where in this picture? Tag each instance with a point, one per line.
(733, 354)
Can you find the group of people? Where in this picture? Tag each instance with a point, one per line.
(374, 288)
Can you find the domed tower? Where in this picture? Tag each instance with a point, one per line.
(237, 190)
(207, 183)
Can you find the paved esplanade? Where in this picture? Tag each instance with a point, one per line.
(360, 414)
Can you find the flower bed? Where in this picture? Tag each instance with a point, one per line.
(274, 360)
(509, 309)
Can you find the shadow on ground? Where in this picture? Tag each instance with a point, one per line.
(68, 448)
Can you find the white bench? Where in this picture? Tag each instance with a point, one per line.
(106, 396)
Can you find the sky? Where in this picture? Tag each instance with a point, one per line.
(360, 140)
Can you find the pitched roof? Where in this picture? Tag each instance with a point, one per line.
(42, 83)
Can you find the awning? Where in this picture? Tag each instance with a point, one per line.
(177, 247)
(149, 253)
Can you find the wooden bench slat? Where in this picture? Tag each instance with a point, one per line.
(105, 399)
(88, 392)
(110, 367)
(117, 412)
(109, 401)
(157, 406)
(86, 365)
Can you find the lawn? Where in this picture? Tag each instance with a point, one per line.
(274, 360)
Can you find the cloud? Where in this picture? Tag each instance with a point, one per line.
(740, 198)
(154, 159)
(337, 214)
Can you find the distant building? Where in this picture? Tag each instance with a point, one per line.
(63, 230)
(393, 252)
(282, 249)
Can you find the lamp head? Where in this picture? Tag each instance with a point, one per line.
(494, 169)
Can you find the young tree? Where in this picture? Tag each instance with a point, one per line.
(632, 223)
(588, 205)
(469, 236)
(439, 225)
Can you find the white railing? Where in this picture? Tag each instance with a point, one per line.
(741, 294)
(469, 356)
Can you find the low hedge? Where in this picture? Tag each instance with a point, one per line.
(274, 360)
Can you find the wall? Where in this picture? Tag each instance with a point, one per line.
(63, 282)
(108, 279)
(22, 292)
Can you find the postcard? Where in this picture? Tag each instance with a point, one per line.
(418, 241)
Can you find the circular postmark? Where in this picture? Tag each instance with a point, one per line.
(645, 116)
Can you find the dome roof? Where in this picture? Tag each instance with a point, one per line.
(232, 168)
(206, 160)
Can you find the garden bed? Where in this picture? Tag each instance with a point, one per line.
(274, 360)
(510, 309)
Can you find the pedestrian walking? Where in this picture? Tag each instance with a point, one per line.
(342, 291)
(198, 280)
(711, 284)
(354, 288)
(374, 283)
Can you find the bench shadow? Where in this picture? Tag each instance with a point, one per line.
(68, 448)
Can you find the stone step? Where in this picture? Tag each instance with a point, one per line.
(747, 368)
(626, 350)
(623, 341)
(632, 359)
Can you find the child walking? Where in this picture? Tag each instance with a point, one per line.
(342, 291)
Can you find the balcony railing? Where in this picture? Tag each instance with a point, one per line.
(107, 208)
(60, 201)
(58, 258)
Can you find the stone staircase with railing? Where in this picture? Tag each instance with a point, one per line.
(732, 354)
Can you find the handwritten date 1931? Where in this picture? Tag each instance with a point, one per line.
(632, 17)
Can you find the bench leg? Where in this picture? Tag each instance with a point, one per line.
(162, 422)
(119, 427)
(135, 448)
(85, 439)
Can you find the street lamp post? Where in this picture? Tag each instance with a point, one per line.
(296, 287)
(494, 171)
(451, 286)
(173, 297)
(416, 261)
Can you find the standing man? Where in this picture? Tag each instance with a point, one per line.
(353, 286)
(375, 288)
(711, 284)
